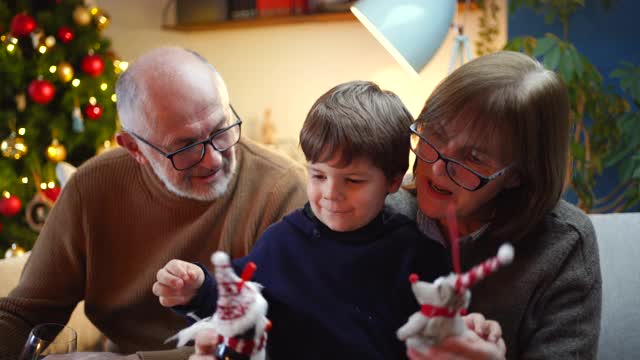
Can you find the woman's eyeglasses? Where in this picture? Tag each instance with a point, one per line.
(459, 173)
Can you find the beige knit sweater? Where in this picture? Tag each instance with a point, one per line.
(115, 225)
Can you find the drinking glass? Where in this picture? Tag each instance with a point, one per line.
(49, 339)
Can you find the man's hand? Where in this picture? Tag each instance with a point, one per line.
(206, 343)
(177, 283)
(92, 356)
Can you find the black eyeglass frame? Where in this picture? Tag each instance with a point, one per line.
(484, 180)
(208, 140)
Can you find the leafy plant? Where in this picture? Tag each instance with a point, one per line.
(605, 124)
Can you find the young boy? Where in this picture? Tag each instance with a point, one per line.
(335, 273)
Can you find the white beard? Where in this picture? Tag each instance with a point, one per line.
(217, 189)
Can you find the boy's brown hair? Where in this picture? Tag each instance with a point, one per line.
(357, 119)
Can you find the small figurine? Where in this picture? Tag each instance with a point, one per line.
(444, 302)
(240, 318)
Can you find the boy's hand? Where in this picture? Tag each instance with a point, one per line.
(489, 330)
(177, 282)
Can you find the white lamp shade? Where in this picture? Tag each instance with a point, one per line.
(411, 30)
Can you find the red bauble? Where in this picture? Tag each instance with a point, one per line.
(93, 65)
(52, 194)
(10, 206)
(93, 112)
(65, 34)
(41, 91)
(22, 25)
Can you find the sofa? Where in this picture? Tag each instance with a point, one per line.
(619, 245)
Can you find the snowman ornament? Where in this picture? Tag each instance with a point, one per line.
(240, 319)
(443, 302)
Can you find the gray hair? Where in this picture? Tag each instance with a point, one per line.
(131, 90)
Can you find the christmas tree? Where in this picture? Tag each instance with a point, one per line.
(57, 103)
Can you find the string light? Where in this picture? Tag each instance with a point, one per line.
(51, 185)
(75, 82)
(104, 86)
(10, 48)
(25, 180)
(6, 194)
(43, 186)
(53, 69)
(114, 98)
(92, 100)
(22, 131)
(94, 10)
(42, 49)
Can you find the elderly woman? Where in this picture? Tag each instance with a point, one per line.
(492, 140)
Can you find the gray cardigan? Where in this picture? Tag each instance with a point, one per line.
(548, 301)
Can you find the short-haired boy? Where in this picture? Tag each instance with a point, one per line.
(335, 273)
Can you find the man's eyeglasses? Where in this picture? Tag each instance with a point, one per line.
(192, 154)
(459, 173)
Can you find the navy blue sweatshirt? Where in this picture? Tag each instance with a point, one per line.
(336, 295)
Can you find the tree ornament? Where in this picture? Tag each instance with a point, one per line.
(14, 251)
(10, 205)
(65, 72)
(77, 123)
(56, 152)
(102, 20)
(241, 315)
(50, 41)
(65, 34)
(37, 38)
(22, 25)
(81, 16)
(21, 101)
(51, 194)
(93, 111)
(92, 65)
(13, 147)
(41, 91)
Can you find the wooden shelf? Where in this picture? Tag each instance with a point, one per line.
(264, 21)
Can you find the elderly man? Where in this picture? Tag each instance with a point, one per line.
(183, 185)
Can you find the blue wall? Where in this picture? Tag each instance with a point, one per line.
(605, 37)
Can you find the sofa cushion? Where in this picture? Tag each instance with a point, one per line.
(619, 247)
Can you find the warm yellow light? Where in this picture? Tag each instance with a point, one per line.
(10, 48)
(6, 194)
(51, 185)
(92, 100)
(43, 186)
(53, 69)
(22, 131)
(75, 82)
(42, 49)
(114, 98)
(20, 147)
(94, 10)
(104, 86)
(123, 65)
(25, 180)
(107, 144)
(3, 37)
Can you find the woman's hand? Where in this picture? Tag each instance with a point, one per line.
(489, 330)
(469, 346)
(483, 342)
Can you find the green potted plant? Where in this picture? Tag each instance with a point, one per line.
(606, 124)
